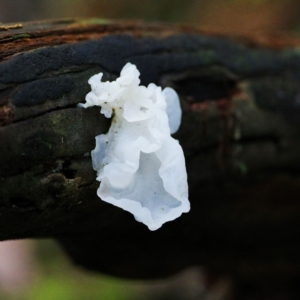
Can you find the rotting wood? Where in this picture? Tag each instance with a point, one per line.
(240, 134)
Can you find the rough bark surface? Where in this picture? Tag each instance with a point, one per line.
(240, 133)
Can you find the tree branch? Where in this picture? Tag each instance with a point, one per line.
(240, 134)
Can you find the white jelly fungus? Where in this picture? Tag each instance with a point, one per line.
(140, 166)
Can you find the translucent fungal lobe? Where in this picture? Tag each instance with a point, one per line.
(140, 166)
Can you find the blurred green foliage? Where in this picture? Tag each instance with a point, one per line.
(58, 279)
(243, 2)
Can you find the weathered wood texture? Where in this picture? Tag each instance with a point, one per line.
(240, 133)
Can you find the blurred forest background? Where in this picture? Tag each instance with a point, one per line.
(39, 270)
(221, 15)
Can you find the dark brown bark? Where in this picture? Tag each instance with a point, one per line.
(240, 134)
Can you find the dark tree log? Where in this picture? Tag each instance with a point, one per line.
(240, 134)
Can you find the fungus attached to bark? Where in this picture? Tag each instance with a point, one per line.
(140, 166)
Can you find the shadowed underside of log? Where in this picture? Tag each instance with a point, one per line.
(240, 133)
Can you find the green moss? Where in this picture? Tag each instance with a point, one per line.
(242, 167)
(20, 36)
(208, 56)
(96, 21)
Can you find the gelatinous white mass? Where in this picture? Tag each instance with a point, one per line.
(140, 166)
